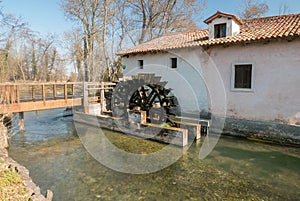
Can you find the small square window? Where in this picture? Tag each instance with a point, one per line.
(141, 64)
(242, 76)
(220, 30)
(173, 62)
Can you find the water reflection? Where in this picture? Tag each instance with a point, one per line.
(235, 170)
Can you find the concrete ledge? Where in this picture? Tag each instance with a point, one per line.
(268, 131)
(170, 135)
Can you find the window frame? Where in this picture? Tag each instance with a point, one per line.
(172, 60)
(220, 25)
(140, 63)
(233, 77)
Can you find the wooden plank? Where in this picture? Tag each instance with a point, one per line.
(194, 128)
(41, 105)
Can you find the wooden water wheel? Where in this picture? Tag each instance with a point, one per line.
(147, 93)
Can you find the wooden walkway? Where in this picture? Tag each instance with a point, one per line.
(25, 97)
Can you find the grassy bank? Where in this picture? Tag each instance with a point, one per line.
(11, 185)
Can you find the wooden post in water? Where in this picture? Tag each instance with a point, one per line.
(143, 117)
(21, 121)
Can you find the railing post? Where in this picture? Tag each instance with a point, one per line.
(43, 93)
(102, 98)
(18, 93)
(65, 92)
(73, 90)
(7, 94)
(85, 97)
(2, 95)
(54, 91)
(33, 93)
(12, 94)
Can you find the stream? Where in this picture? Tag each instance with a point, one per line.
(236, 169)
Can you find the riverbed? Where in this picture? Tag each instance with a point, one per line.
(236, 169)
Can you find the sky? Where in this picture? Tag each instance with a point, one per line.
(46, 16)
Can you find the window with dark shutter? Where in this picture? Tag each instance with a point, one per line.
(243, 76)
(173, 62)
(220, 30)
(141, 64)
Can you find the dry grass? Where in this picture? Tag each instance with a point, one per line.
(11, 186)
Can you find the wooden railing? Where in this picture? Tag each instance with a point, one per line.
(24, 97)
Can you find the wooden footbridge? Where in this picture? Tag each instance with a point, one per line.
(26, 97)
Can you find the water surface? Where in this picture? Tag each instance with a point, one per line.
(235, 170)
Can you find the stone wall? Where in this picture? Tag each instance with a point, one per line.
(3, 137)
(33, 191)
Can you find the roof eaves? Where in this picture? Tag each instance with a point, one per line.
(223, 14)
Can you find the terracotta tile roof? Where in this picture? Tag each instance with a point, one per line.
(256, 29)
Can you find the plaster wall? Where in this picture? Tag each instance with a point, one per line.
(276, 74)
(186, 80)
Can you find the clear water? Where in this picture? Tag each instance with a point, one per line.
(235, 170)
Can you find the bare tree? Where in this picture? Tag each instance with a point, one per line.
(253, 9)
(86, 13)
(73, 44)
(157, 17)
(11, 27)
(104, 25)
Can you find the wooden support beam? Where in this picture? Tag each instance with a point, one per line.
(143, 117)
